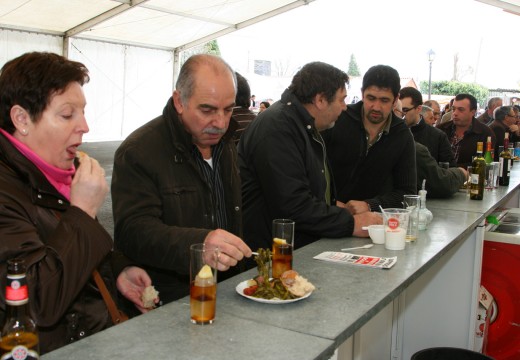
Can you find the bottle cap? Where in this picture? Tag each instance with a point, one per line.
(422, 194)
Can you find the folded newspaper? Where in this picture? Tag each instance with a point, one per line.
(355, 259)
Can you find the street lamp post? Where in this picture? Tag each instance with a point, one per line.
(431, 57)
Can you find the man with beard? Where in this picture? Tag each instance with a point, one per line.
(176, 183)
(283, 163)
(371, 150)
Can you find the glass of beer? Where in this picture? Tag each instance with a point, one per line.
(283, 241)
(203, 283)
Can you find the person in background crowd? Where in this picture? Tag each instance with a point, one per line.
(434, 105)
(371, 150)
(440, 182)
(50, 201)
(264, 105)
(487, 116)
(464, 131)
(505, 121)
(283, 163)
(447, 113)
(434, 139)
(253, 101)
(241, 113)
(427, 115)
(176, 183)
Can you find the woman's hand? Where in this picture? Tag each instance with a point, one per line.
(89, 186)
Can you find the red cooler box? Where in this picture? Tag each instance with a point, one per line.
(501, 277)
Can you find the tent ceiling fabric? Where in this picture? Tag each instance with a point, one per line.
(512, 6)
(166, 24)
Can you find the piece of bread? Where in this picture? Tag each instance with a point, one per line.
(301, 286)
(148, 297)
(296, 284)
(80, 154)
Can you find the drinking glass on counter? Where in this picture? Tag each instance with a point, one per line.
(412, 203)
(396, 224)
(203, 283)
(489, 183)
(283, 241)
(496, 168)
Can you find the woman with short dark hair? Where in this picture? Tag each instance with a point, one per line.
(49, 201)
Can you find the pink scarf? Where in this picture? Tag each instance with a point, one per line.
(60, 179)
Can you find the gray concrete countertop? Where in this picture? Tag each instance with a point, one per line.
(346, 297)
(166, 333)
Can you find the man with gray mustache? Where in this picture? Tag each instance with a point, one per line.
(176, 183)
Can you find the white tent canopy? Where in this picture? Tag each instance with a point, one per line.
(132, 47)
(166, 24)
(511, 6)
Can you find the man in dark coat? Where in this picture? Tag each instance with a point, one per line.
(464, 130)
(175, 181)
(434, 139)
(284, 167)
(371, 150)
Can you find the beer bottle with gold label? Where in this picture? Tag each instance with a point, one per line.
(19, 335)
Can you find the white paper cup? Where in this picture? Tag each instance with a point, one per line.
(377, 234)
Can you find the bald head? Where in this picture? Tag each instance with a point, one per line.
(188, 74)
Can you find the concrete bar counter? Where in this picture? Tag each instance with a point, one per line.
(428, 298)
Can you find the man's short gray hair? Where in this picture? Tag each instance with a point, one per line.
(493, 101)
(425, 109)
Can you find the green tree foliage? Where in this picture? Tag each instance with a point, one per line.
(455, 87)
(353, 69)
(210, 47)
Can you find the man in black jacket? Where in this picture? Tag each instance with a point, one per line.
(175, 181)
(434, 139)
(439, 182)
(283, 163)
(464, 130)
(371, 150)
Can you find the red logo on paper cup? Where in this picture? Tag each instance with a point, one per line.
(393, 223)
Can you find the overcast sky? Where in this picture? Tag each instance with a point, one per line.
(398, 33)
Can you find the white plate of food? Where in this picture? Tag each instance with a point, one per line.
(244, 284)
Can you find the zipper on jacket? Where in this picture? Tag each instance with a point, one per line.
(316, 136)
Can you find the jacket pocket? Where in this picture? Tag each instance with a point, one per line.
(187, 206)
